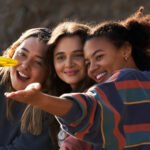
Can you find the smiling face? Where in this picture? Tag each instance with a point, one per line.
(30, 54)
(103, 58)
(69, 60)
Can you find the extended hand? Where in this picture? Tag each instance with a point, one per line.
(25, 95)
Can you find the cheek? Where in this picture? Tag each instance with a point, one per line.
(107, 62)
(115, 61)
(39, 75)
(12, 71)
(81, 64)
(83, 71)
(89, 73)
(58, 67)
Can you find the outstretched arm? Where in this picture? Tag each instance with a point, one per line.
(32, 95)
(78, 113)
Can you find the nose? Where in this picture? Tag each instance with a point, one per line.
(69, 62)
(25, 64)
(92, 68)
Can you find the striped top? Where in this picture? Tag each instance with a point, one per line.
(114, 115)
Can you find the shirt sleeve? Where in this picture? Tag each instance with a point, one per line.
(99, 115)
(84, 119)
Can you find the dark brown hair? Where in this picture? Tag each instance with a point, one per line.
(134, 30)
(66, 29)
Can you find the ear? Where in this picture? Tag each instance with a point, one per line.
(126, 50)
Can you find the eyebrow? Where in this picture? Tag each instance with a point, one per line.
(78, 51)
(96, 51)
(23, 48)
(74, 51)
(26, 50)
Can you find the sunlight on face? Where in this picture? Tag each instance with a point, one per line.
(30, 54)
(69, 60)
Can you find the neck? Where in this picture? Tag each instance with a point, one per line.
(131, 64)
(76, 87)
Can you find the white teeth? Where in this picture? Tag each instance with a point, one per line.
(23, 75)
(100, 75)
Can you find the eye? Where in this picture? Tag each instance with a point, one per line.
(60, 57)
(39, 62)
(21, 55)
(99, 57)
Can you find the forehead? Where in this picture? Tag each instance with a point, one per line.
(68, 43)
(95, 42)
(34, 45)
(98, 43)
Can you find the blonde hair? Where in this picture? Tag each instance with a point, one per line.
(31, 120)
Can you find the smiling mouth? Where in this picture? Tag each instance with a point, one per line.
(70, 73)
(101, 77)
(22, 76)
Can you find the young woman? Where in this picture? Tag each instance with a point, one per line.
(69, 70)
(21, 126)
(115, 114)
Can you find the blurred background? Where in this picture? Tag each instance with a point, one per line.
(16, 16)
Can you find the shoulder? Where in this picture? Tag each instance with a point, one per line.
(130, 74)
(122, 76)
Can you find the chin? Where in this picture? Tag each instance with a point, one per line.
(18, 87)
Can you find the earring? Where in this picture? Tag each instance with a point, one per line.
(126, 58)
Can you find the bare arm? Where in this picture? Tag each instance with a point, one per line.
(32, 95)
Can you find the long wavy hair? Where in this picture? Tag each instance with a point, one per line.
(138, 26)
(32, 117)
(66, 29)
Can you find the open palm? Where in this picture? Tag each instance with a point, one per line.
(25, 95)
